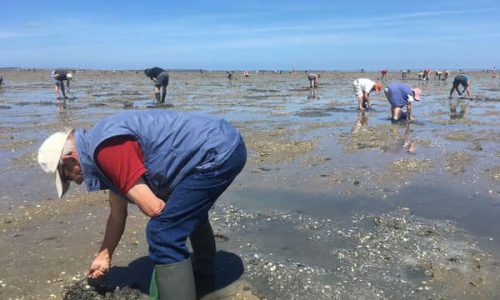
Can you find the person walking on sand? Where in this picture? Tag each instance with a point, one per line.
(173, 166)
(363, 87)
(313, 80)
(461, 80)
(58, 77)
(400, 95)
(160, 78)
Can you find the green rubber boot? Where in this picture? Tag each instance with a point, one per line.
(173, 282)
(157, 97)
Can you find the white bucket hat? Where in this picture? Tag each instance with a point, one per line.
(49, 156)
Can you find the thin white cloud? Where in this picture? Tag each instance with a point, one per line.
(15, 34)
(32, 24)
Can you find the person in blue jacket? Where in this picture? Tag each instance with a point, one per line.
(400, 95)
(173, 166)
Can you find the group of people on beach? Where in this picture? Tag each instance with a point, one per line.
(399, 95)
(159, 76)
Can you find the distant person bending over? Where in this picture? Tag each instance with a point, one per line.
(313, 80)
(58, 77)
(438, 75)
(427, 73)
(462, 80)
(363, 87)
(400, 95)
(160, 78)
(446, 73)
(403, 74)
(1, 80)
(384, 73)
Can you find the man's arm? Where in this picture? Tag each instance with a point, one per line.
(366, 98)
(145, 199)
(114, 230)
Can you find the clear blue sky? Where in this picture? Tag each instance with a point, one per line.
(270, 34)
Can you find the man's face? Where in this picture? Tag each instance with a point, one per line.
(70, 170)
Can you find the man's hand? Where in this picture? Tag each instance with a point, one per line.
(99, 267)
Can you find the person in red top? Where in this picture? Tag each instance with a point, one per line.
(122, 160)
(384, 73)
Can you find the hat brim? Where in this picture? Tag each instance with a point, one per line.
(61, 185)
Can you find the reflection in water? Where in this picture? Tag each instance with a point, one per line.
(64, 114)
(458, 108)
(361, 121)
(400, 143)
(60, 106)
(312, 94)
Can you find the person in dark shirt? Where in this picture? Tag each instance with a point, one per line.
(160, 78)
(58, 77)
(1, 80)
(462, 80)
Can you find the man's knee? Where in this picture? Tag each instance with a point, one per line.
(167, 244)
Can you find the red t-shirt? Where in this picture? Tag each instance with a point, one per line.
(122, 161)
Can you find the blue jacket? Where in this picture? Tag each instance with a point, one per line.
(399, 94)
(174, 144)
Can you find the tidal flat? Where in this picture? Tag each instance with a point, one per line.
(332, 204)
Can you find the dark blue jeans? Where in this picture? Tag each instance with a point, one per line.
(188, 206)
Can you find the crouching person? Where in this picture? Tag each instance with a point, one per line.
(400, 95)
(173, 166)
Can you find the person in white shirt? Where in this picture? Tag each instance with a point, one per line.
(363, 87)
(313, 80)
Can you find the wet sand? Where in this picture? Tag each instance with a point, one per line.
(331, 205)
